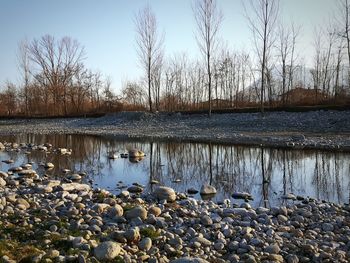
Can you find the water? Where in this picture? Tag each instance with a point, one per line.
(265, 173)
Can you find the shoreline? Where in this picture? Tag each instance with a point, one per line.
(66, 220)
(310, 130)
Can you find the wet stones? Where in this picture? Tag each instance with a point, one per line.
(242, 195)
(207, 190)
(135, 189)
(192, 191)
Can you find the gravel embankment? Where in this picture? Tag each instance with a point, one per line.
(45, 220)
(317, 129)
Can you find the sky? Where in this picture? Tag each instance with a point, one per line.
(106, 29)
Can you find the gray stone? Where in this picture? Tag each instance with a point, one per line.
(116, 210)
(189, 260)
(292, 259)
(272, 249)
(107, 250)
(206, 220)
(137, 211)
(145, 244)
(327, 227)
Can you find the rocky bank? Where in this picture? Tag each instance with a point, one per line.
(66, 220)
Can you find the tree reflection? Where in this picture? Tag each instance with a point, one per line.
(266, 173)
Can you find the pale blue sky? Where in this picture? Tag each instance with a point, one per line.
(106, 29)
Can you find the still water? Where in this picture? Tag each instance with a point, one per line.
(267, 173)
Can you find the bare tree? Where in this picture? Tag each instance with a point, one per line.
(343, 19)
(55, 64)
(24, 66)
(149, 46)
(286, 49)
(208, 17)
(262, 22)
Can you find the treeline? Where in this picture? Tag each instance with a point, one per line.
(274, 74)
(56, 82)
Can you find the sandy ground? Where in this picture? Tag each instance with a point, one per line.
(311, 130)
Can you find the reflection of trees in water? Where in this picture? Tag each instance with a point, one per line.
(331, 171)
(266, 173)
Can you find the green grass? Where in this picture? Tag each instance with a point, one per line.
(149, 232)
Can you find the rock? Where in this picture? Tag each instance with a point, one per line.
(207, 190)
(124, 155)
(9, 161)
(192, 191)
(75, 187)
(133, 235)
(206, 220)
(100, 208)
(275, 258)
(3, 174)
(289, 196)
(52, 253)
(2, 182)
(62, 150)
(136, 153)
(242, 195)
(327, 227)
(107, 250)
(137, 211)
(15, 169)
(21, 201)
(292, 259)
(202, 240)
(112, 156)
(272, 249)
(154, 210)
(189, 260)
(135, 189)
(74, 177)
(116, 210)
(42, 189)
(27, 173)
(165, 193)
(49, 166)
(145, 244)
(282, 218)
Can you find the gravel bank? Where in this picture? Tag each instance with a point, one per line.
(46, 220)
(313, 130)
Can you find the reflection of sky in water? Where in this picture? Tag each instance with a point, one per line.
(322, 175)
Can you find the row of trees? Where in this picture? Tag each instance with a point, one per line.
(237, 78)
(55, 80)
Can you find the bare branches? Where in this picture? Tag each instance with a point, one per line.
(262, 21)
(208, 17)
(149, 45)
